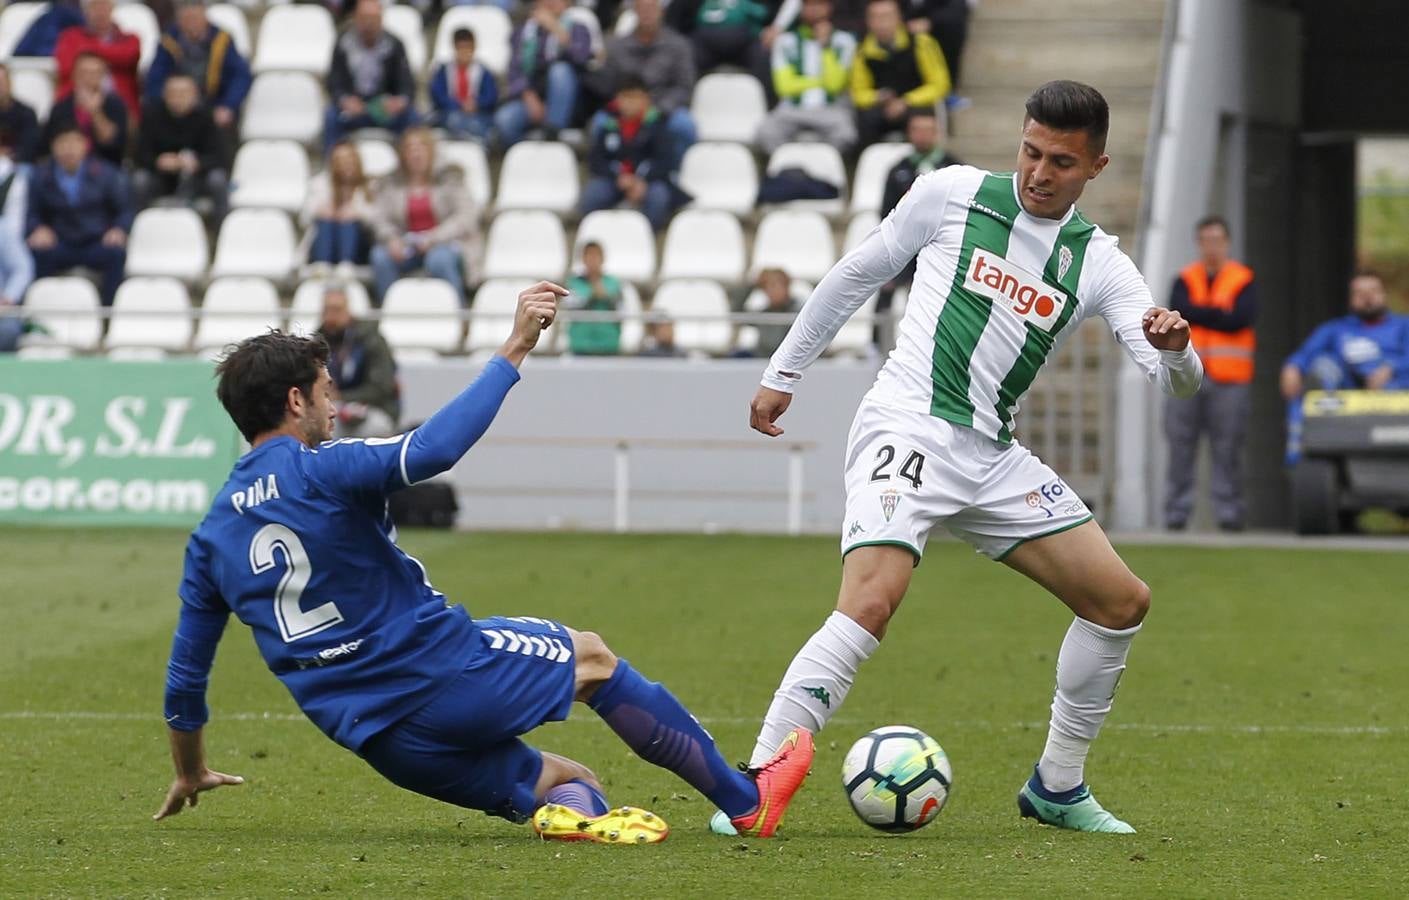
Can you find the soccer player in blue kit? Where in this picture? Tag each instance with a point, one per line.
(299, 546)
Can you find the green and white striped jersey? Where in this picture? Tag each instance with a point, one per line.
(995, 293)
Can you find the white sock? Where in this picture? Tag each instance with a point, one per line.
(1088, 670)
(816, 683)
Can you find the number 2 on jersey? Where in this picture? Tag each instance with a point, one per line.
(294, 621)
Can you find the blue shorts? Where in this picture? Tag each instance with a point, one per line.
(463, 746)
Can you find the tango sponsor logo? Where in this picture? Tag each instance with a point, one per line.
(1014, 288)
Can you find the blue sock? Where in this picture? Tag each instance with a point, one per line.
(661, 731)
(579, 795)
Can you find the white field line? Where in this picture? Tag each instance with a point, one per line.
(973, 724)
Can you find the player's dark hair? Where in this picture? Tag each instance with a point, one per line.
(1071, 106)
(1213, 221)
(255, 377)
(462, 35)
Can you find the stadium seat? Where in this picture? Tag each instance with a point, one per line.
(152, 313)
(67, 308)
(633, 328)
(526, 244)
(728, 107)
(538, 175)
(628, 244)
(284, 106)
(797, 241)
(295, 38)
(306, 312)
(404, 22)
(15, 20)
(138, 19)
(137, 354)
(704, 243)
(379, 158)
(720, 176)
(821, 161)
(625, 21)
(494, 306)
(230, 19)
(44, 351)
(492, 30)
(34, 87)
(422, 312)
(270, 174)
(700, 310)
(255, 242)
(469, 155)
(857, 229)
(234, 309)
(868, 188)
(168, 241)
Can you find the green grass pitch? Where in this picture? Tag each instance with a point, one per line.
(1258, 740)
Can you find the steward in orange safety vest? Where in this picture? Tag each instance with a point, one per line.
(1225, 348)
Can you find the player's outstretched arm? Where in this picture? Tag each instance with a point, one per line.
(192, 774)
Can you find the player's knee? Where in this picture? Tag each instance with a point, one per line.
(1129, 606)
(595, 661)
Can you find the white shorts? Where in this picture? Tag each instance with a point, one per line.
(907, 472)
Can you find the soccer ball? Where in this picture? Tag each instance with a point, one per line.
(897, 778)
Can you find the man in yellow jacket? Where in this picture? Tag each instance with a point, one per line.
(895, 71)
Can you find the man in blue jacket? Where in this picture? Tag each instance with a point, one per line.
(1367, 349)
(194, 47)
(80, 211)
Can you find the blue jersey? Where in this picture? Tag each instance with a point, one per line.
(1358, 348)
(299, 546)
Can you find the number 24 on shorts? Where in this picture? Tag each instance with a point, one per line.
(910, 469)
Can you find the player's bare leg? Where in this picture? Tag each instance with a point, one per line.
(1083, 570)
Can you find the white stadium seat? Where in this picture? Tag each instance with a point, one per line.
(379, 158)
(230, 19)
(628, 243)
(151, 313)
(44, 351)
(469, 156)
(138, 19)
(422, 312)
(492, 30)
(137, 354)
(284, 105)
(270, 174)
(35, 88)
(633, 328)
(295, 39)
(526, 244)
(868, 189)
(538, 175)
(625, 21)
(857, 229)
(720, 176)
(306, 312)
(704, 243)
(821, 161)
(255, 242)
(67, 308)
(700, 311)
(797, 241)
(168, 241)
(494, 306)
(404, 23)
(234, 309)
(15, 20)
(728, 107)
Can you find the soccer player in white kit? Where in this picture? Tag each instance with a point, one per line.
(1007, 270)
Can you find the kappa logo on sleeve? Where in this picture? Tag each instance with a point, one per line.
(1015, 289)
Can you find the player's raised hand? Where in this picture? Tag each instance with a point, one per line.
(765, 409)
(1165, 329)
(185, 791)
(538, 308)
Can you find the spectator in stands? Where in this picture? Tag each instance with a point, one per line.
(1218, 297)
(895, 73)
(19, 126)
(546, 57)
(423, 215)
(370, 80)
(16, 265)
(593, 291)
(464, 93)
(660, 340)
(778, 291)
(1366, 350)
(338, 211)
(80, 212)
(92, 109)
(947, 21)
(368, 400)
(664, 62)
(728, 32)
(208, 55)
(181, 151)
(99, 35)
(630, 158)
(811, 68)
(926, 137)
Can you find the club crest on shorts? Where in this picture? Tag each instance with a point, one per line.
(1034, 499)
(1064, 259)
(890, 499)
